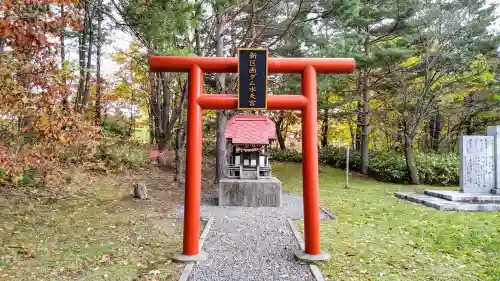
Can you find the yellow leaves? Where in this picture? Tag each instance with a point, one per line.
(62, 139)
(44, 120)
(487, 76)
(411, 61)
(119, 57)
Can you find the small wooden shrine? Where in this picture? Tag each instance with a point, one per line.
(248, 138)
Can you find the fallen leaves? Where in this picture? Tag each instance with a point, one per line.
(52, 241)
(106, 257)
(27, 254)
(154, 272)
(26, 251)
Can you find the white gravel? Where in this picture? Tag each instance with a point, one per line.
(251, 243)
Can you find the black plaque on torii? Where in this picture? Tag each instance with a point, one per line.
(252, 79)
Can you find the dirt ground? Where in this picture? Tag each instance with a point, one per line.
(96, 231)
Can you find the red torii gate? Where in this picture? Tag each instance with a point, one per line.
(197, 101)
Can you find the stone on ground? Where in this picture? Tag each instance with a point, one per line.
(140, 191)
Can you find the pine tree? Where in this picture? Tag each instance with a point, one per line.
(451, 44)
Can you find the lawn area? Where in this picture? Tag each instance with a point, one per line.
(379, 237)
(98, 232)
(142, 134)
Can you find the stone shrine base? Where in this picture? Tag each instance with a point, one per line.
(450, 200)
(264, 192)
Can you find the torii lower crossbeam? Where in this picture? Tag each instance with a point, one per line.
(307, 103)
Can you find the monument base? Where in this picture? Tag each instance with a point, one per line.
(467, 197)
(449, 200)
(264, 192)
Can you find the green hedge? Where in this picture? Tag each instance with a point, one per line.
(433, 169)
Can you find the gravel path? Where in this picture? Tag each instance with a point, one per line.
(251, 243)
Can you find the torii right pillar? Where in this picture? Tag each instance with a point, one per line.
(310, 170)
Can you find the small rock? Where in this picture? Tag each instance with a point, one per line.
(154, 272)
(140, 191)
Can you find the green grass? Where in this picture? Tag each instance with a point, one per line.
(100, 234)
(379, 237)
(142, 134)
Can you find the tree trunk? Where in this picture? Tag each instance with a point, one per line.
(435, 127)
(365, 138)
(410, 162)
(352, 131)
(179, 142)
(281, 142)
(180, 136)
(61, 38)
(324, 130)
(166, 121)
(178, 145)
(63, 54)
(279, 130)
(89, 64)
(151, 110)
(220, 169)
(98, 90)
(158, 114)
(358, 130)
(82, 49)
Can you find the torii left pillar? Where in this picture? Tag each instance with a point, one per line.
(197, 101)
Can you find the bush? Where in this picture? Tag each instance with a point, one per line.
(209, 148)
(285, 155)
(119, 154)
(3, 175)
(433, 169)
(438, 169)
(114, 128)
(27, 177)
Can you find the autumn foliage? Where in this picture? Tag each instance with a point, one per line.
(39, 129)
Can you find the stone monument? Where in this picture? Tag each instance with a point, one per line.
(495, 132)
(479, 178)
(248, 180)
(477, 164)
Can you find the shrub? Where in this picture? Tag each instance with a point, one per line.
(114, 128)
(27, 177)
(285, 155)
(433, 169)
(119, 154)
(208, 147)
(3, 175)
(438, 169)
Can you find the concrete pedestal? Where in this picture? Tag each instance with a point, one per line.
(454, 200)
(264, 192)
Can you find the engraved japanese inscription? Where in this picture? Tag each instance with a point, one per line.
(252, 79)
(477, 164)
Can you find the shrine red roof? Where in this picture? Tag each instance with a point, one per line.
(250, 129)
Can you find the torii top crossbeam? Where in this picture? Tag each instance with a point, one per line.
(230, 65)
